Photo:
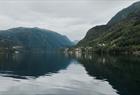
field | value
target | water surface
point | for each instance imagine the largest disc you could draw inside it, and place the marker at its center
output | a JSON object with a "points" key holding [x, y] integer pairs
{"points": [[58, 74]]}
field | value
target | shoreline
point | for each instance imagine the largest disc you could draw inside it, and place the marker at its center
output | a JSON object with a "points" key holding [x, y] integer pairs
{"points": [[114, 51]]}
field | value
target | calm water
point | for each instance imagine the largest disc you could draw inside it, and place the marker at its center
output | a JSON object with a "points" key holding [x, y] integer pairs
{"points": [[57, 74]]}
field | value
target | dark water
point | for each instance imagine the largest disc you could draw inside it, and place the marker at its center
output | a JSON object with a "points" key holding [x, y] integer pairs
{"points": [[58, 74]]}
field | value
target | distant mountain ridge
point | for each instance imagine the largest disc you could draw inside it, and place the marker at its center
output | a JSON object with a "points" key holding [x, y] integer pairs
{"points": [[122, 32], [75, 41], [31, 38]]}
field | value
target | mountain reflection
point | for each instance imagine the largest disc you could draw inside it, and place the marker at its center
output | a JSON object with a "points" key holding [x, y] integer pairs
{"points": [[70, 75], [122, 72], [34, 65]]}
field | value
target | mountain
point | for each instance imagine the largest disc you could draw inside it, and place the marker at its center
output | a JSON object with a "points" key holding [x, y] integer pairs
{"points": [[75, 42], [122, 32], [132, 10], [93, 34], [32, 38]]}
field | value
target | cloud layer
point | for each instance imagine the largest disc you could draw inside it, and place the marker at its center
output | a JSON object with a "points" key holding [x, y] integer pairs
{"points": [[69, 17]]}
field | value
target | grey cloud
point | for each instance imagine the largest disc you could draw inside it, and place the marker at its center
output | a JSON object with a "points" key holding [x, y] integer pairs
{"points": [[70, 17]]}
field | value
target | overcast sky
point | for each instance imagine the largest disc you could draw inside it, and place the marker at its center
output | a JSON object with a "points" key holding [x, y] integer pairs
{"points": [[72, 18]]}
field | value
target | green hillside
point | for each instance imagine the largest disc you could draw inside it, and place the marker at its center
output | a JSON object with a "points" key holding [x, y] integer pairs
{"points": [[121, 33], [32, 38]]}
